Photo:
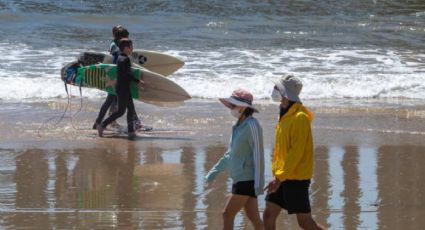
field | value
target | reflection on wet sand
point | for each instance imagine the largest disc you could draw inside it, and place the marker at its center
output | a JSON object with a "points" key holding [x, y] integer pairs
{"points": [[127, 185], [320, 185], [216, 192], [155, 188], [31, 178], [401, 187], [62, 220], [61, 181], [367, 167], [188, 216], [91, 181], [163, 185], [351, 191]]}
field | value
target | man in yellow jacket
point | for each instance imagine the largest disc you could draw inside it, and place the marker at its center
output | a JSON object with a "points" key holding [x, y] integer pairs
{"points": [[292, 164]]}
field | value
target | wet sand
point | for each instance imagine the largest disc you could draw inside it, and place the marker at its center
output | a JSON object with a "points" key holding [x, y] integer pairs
{"points": [[368, 167]]}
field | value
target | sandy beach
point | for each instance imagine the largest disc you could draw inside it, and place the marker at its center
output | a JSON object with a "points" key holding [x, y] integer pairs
{"points": [[368, 166]]}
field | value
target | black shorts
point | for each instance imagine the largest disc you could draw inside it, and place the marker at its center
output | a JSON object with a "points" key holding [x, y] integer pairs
{"points": [[292, 195], [244, 188]]}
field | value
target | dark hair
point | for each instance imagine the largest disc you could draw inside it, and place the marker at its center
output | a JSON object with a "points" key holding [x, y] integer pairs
{"points": [[283, 111], [125, 42], [248, 112], [121, 33], [115, 29]]}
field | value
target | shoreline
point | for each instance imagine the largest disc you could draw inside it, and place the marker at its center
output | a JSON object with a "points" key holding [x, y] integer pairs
{"points": [[24, 124]]}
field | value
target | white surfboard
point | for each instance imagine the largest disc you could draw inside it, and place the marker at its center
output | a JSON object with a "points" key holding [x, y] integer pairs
{"points": [[157, 62], [156, 89]]}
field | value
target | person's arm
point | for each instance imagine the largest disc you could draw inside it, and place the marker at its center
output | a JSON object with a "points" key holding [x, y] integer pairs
{"points": [[114, 51], [300, 132], [114, 58], [126, 66], [256, 143], [218, 167]]}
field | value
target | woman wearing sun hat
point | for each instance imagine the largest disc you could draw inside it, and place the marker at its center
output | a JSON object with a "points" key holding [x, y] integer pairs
{"points": [[244, 160]]}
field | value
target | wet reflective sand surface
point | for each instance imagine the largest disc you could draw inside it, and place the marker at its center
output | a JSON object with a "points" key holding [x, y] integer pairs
{"points": [[158, 182], [154, 188]]}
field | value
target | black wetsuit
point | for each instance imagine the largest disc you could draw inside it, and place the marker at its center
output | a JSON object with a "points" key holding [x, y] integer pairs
{"points": [[111, 100], [122, 88]]}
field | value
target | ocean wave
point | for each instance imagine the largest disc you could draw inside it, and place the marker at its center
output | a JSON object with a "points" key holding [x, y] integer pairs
{"points": [[326, 73], [29, 73]]}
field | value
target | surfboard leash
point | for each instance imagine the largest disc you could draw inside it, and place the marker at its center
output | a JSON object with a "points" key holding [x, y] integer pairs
{"points": [[53, 117], [67, 108], [79, 109]]}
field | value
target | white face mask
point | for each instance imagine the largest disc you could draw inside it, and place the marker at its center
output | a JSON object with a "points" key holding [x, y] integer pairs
{"points": [[276, 97], [235, 112]]}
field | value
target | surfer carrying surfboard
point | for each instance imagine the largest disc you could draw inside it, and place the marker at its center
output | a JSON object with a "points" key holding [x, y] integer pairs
{"points": [[244, 160], [122, 88], [118, 32]]}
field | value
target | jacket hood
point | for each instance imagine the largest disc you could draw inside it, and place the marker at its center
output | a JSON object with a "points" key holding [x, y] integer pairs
{"points": [[299, 107]]}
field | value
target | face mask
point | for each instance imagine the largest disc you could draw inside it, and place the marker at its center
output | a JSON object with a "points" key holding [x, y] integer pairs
{"points": [[235, 112], [276, 97]]}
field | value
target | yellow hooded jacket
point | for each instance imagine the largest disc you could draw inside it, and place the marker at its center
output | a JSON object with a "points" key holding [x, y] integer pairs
{"points": [[293, 151]]}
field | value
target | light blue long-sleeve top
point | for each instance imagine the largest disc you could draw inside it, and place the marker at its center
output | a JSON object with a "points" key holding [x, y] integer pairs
{"points": [[114, 51], [244, 158]]}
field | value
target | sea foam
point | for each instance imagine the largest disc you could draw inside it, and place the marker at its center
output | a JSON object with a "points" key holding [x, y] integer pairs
{"points": [[29, 73]]}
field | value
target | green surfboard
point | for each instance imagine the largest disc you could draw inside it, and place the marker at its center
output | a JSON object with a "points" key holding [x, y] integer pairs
{"points": [[156, 88]]}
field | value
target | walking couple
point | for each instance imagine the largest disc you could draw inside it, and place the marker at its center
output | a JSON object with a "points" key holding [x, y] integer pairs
{"points": [[292, 164]]}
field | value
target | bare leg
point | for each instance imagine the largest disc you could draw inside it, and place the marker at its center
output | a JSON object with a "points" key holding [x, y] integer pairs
{"points": [[271, 212], [234, 204], [251, 211], [305, 221]]}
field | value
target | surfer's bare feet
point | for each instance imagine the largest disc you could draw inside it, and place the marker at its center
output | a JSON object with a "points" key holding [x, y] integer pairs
{"points": [[141, 127], [115, 125], [132, 136], [100, 130], [138, 126], [145, 128], [95, 125]]}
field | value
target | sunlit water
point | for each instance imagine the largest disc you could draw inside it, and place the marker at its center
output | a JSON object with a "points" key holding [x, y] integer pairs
{"points": [[356, 49]]}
